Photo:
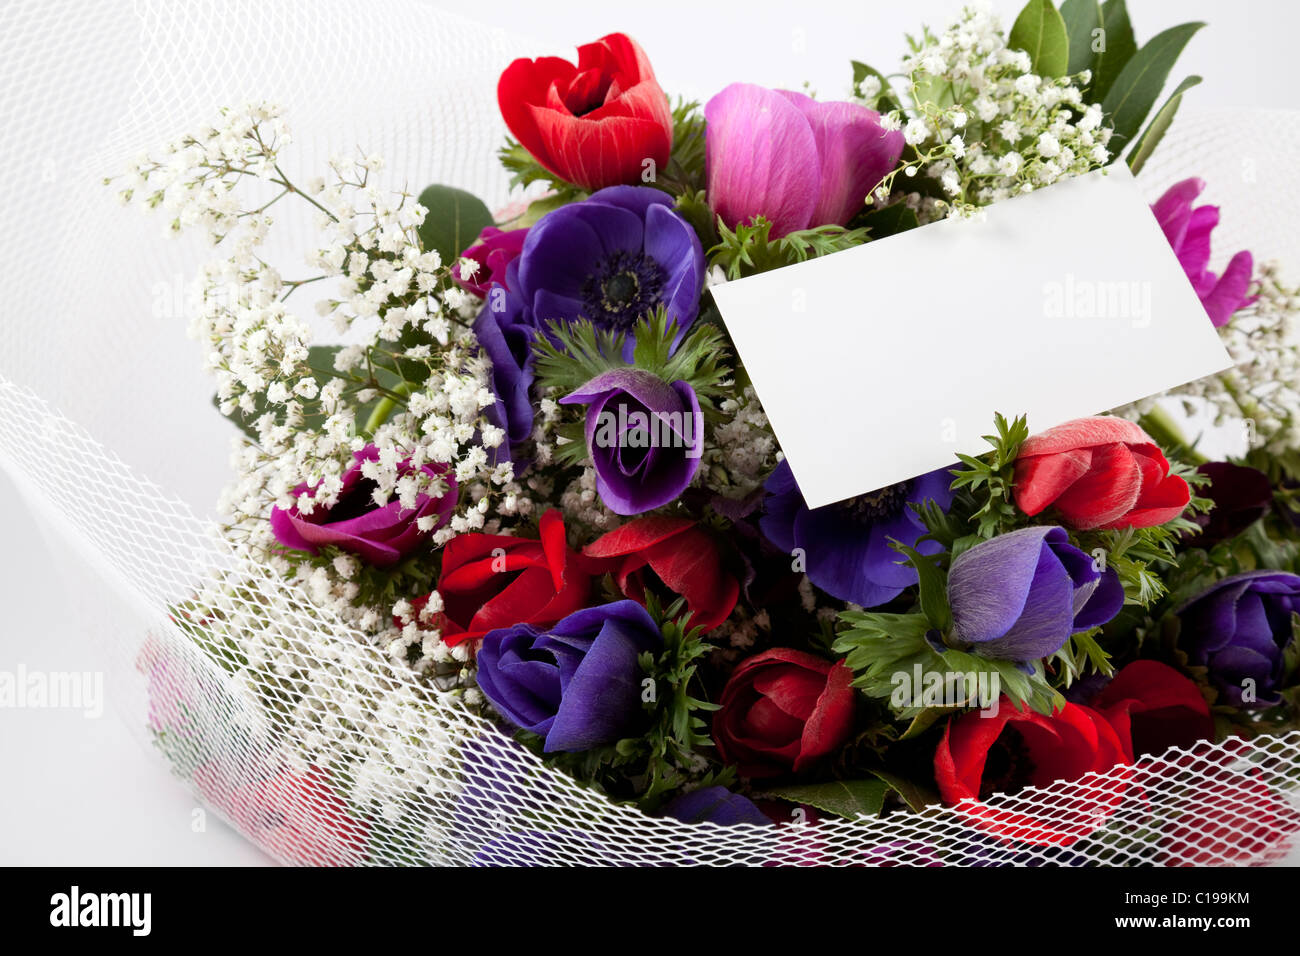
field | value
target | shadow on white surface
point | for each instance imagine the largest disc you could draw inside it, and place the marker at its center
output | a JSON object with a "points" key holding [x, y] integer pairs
{"points": [[81, 790]]}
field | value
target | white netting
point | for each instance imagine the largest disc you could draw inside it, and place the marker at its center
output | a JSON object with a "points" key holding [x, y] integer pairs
{"points": [[252, 702]]}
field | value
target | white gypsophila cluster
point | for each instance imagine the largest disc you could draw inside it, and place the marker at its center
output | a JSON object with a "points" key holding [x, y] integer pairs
{"points": [[743, 451], [305, 404], [314, 699], [984, 126], [1262, 389], [585, 514]]}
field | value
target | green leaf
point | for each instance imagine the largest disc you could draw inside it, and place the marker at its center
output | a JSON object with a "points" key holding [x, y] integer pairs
{"points": [[925, 719], [1040, 32], [888, 220], [932, 586], [886, 100], [1159, 125], [1119, 46], [580, 352], [748, 248], [1081, 18], [915, 795], [844, 798], [1143, 77], [454, 221]]}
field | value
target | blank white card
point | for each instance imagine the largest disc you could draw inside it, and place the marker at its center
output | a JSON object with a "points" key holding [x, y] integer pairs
{"points": [[880, 363]]}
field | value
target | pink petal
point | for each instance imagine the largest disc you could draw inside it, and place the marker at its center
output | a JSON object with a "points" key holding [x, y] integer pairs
{"points": [[855, 154], [762, 159]]}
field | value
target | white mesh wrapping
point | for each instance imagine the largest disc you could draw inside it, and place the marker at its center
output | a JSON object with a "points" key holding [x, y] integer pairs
{"points": [[99, 387]]}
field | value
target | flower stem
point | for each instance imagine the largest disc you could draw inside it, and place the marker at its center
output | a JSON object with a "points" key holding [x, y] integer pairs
{"points": [[1159, 425], [384, 407]]}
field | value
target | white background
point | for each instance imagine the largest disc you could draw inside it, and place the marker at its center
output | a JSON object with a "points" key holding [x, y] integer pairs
{"points": [[78, 791]]}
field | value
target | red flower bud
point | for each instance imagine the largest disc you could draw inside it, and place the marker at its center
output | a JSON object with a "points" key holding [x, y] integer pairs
{"points": [[595, 124], [782, 711]]}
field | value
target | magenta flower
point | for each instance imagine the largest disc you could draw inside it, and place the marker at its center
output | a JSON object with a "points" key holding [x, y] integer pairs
{"points": [[380, 534], [1188, 231], [798, 162], [493, 251]]}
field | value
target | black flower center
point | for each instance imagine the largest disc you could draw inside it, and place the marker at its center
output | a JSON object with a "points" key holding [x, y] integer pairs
{"points": [[877, 506], [353, 503], [1007, 767], [621, 289]]}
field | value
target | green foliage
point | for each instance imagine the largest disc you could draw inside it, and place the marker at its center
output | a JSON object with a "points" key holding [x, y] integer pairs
{"points": [[1134, 94], [849, 799], [932, 586], [584, 351], [1039, 30], [1104, 59], [878, 646], [454, 221], [524, 171], [685, 171], [885, 100], [1081, 655], [748, 249], [989, 478], [1081, 18], [694, 208], [1159, 125], [883, 221]]}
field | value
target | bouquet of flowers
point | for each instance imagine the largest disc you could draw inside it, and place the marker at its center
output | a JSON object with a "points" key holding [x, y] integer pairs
{"points": [[531, 478]]}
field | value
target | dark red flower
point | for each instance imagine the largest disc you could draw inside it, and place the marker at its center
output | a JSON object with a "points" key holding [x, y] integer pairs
{"points": [[782, 711], [1100, 472], [680, 553], [982, 756], [1241, 496], [1153, 707], [491, 580], [594, 124]]}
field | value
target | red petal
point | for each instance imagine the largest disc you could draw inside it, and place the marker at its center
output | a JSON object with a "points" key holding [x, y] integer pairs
{"points": [[1041, 479]]}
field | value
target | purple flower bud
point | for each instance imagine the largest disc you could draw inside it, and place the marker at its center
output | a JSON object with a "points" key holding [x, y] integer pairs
{"points": [[1021, 595], [714, 805], [577, 684], [645, 437]]}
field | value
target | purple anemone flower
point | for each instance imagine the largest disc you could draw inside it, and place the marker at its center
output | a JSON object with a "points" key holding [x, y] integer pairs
{"points": [[577, 684], [845, 546], [645, 437], [1240, 628], [380, 534], [1188, 231], [715, 805], [612, 259], [505, 335], [1021, 595]]}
